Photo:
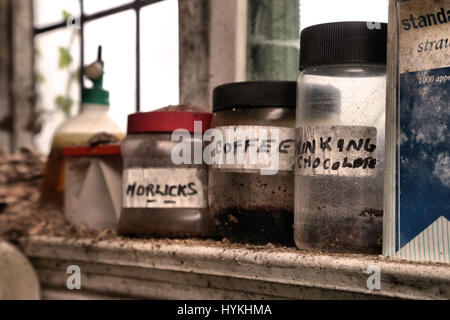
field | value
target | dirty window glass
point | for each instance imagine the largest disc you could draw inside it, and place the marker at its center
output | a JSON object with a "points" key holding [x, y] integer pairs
{"points": [[59, 57]]}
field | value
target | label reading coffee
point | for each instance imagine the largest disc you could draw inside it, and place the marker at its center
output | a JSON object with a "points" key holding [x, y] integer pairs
{"points": [[336, 150], [164, 188], [255, 148]]}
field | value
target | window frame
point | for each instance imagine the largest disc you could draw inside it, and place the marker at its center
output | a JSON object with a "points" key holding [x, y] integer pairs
{"points": [[84, 18]]}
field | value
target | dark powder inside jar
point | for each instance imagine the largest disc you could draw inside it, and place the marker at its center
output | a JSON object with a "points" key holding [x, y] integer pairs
{"points": [[257, 209], [259, 226]]}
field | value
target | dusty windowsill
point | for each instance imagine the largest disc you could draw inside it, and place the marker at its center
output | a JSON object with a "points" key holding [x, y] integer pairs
{"points": [[112, 266], [195, 269]]}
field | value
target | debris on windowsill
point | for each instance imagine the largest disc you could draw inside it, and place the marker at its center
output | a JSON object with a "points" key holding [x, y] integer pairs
{"points": [[22, 215], [187, 268]]}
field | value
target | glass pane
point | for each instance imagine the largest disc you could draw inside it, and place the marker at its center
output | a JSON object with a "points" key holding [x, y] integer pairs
{"points": [[47, 12], [273, 40], [314, 12], [57, 63], [159, 55], [117, 35], [93, 6]]}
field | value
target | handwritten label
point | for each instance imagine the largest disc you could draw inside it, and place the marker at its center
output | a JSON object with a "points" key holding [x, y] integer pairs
{"points": [[165, 188], [252, 148], [336, 150]]}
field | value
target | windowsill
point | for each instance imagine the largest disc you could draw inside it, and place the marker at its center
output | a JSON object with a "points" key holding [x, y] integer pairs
{"points": [[183, 269]]}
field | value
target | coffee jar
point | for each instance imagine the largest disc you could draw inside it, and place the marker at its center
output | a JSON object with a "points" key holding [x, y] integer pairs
{"points": [[251, 182]]}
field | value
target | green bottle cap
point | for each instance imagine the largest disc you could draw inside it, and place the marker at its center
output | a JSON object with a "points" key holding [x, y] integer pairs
{"points": [[96, 94]]}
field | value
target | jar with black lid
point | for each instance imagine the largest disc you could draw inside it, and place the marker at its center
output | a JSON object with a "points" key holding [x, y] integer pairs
{"points": [[161, 197], [250, 202], [339, 164]]}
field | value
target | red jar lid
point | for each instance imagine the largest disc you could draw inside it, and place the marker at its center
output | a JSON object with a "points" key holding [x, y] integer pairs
{"points": [[167, 121], [105, 150]]}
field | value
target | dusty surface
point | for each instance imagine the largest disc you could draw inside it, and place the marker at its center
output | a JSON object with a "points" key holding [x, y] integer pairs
{"points": [[23, 215], [102, 138], [183, 108]]}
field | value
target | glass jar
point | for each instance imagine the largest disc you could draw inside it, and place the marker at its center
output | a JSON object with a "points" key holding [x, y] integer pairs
{"points": [[250, 202], [339, 161], [161, 195]]}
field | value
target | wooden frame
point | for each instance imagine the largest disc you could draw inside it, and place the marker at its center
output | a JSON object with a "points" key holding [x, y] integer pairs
{"points": [[17, 97], [213, 40]]}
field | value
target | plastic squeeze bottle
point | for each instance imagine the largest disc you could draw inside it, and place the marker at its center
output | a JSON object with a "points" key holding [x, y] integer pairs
{"points": [[92, 119]]}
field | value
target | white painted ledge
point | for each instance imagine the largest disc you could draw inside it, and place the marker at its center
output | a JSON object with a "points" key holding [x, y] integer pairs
{"points": [[157, 269]]}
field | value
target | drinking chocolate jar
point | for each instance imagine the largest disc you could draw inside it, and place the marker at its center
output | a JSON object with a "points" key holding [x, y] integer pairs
{"points": [[250, 202], [162, 196], [339, 161]]}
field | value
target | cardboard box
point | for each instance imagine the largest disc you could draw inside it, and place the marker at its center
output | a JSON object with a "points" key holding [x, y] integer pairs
{"points": [[417, 181]]}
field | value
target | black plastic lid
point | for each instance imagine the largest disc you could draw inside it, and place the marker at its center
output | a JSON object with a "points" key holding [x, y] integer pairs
{"points": [[343, 43], [255, 94]]}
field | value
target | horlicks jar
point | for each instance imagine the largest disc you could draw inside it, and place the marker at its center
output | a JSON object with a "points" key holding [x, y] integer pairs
{"points": [[165, 186]]}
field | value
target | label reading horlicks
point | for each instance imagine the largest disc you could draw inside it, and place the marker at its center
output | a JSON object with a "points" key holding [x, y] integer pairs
{"points": [[336, 150], [164, 188]]}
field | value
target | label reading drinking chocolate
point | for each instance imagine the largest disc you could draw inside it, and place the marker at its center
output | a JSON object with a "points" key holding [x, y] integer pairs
{"points": [[164, 188], [336, 150]]}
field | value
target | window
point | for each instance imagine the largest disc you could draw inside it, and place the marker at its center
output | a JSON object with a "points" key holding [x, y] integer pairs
{"points": [[323, 11], [273, 44], [141, 61]]}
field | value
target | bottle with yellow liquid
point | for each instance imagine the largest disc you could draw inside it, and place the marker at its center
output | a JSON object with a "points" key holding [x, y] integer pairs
{"points": [[93, 119]]}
